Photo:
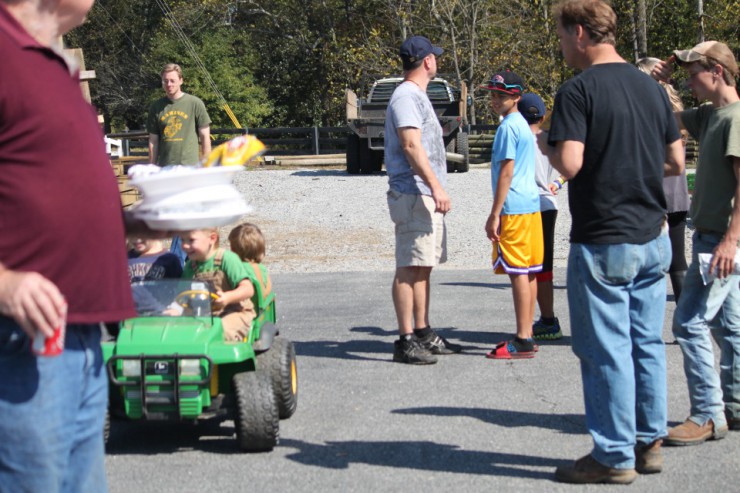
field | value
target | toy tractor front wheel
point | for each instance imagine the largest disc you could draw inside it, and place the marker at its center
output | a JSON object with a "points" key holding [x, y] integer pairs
{"points": [[256, 412], [280, 363]]}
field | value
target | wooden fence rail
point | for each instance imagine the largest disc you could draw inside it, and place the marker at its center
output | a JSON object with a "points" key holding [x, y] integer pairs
{"points": [[279, 141], [283, 141], [316, 141]]}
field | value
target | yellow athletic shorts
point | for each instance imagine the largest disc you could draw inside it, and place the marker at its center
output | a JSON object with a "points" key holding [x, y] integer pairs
{"points": [[520, 249]]}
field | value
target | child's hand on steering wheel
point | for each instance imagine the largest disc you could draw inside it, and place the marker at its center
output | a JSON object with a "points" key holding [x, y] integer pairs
{"points": [[219, 302]]}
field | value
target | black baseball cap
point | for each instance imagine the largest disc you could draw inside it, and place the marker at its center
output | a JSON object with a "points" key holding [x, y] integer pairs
{"points": [[531, 107]]}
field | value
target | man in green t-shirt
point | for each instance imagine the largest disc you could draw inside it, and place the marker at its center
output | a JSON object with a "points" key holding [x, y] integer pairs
{"points": [[715, 212], [177, 123]]}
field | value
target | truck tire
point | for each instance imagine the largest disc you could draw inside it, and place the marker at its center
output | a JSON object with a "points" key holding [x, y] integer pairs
{"points": [[279, 362], [450, 147], [371, 161], [464, 149], [353, 154], [377, 161], [256, 413]]}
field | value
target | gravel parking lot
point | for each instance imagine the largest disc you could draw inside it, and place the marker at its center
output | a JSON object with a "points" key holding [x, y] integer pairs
{"points": [[322, 220]]}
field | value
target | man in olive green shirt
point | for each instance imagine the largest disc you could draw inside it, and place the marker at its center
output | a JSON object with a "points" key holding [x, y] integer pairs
{"points": [[178, 124], [715, 212]]}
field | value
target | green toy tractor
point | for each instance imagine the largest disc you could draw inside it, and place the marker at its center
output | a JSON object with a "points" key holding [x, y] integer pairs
{"points": [[171, 363]]}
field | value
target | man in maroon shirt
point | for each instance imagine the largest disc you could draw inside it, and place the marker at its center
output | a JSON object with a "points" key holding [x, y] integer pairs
{"points": [[61, 250]]}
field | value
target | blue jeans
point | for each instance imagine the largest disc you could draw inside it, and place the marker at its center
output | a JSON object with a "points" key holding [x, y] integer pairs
{"points": [[51, 413], [616, 295], [701, 308]]}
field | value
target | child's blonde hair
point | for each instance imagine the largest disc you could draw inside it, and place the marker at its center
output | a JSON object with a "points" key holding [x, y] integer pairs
{"points": [[646, 65], [206, 231], [248, 242]]}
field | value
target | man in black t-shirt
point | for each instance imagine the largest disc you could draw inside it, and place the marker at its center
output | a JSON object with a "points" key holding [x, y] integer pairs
{"points": [[613, 136]]}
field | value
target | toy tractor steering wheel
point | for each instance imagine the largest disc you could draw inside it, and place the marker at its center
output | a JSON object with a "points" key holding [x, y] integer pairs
{"points": [[185, 298]]}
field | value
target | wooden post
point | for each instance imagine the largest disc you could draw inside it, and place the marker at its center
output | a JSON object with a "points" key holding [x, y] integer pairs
{"points": [[85, 75], [316, 140]]}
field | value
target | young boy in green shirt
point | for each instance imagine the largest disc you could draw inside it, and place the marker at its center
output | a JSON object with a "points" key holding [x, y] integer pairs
{"points": [[224, 271]]}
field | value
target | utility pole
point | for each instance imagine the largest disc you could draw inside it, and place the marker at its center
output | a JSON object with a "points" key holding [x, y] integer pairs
{"points": [[640, 29]]}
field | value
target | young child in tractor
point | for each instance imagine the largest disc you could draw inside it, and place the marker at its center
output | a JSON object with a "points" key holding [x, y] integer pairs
{"points": [[224, 271], [248, 242]]}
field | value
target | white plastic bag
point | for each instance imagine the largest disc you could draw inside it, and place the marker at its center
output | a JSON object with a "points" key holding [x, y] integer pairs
{"points": [[705, 260]]}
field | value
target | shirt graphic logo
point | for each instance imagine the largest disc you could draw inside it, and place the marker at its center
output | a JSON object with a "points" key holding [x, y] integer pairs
{"points": [[174, 125]]}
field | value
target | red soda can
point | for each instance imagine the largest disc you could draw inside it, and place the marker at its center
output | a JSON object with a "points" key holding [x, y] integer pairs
{"points": [[54, 345]]}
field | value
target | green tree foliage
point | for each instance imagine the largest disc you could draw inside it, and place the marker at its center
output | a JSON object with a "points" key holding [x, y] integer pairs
{"points": [[128, 41], [224, 55], [288, 62], [116, 41]]}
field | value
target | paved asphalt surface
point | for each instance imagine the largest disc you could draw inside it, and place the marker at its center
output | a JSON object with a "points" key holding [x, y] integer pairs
{"points": [[366, 424]]}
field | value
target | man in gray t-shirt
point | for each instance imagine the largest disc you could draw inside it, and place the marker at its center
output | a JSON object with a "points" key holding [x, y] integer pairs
{"points": [[410, 107], [417, 201]]}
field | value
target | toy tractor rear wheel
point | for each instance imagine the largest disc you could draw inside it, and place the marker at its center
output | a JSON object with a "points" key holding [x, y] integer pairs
{"points": [[256, 414], [280, 363]]}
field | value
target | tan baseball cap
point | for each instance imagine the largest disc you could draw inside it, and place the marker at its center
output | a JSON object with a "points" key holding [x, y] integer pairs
{"points": [[711, 49]]}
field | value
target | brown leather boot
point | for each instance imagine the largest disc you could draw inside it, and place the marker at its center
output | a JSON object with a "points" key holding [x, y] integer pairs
{"points": [[649, 458], [589, 470], [690, 433]]}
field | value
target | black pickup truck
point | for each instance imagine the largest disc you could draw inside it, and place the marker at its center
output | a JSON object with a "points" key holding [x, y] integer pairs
{"points": [[366, 119]]}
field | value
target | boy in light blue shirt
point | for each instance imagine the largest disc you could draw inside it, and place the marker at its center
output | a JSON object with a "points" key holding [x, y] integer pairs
{"points": [[514, 225]]}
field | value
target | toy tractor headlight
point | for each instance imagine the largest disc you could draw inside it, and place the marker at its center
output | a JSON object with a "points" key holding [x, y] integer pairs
{"points": [[190, 367], [131, 368]]}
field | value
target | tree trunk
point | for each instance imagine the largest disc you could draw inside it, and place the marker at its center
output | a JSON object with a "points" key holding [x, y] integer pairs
{"points": [[640, 29]]}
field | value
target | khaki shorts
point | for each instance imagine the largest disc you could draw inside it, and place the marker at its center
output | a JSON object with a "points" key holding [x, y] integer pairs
{"points": [[421, 234]]}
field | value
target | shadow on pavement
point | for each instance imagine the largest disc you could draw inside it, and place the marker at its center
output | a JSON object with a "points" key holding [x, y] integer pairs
{"points": [[421, 455], [136, 437], [573, 424], [488, 285], [365, 349]]}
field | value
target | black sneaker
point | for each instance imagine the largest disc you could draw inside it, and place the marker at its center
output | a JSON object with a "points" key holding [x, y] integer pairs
{"points": [[545, 332], [437, 344], [412, 353]]}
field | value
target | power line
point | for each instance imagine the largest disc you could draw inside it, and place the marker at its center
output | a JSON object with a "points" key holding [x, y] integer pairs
{"points": [[170, 16], [115, 23]]}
